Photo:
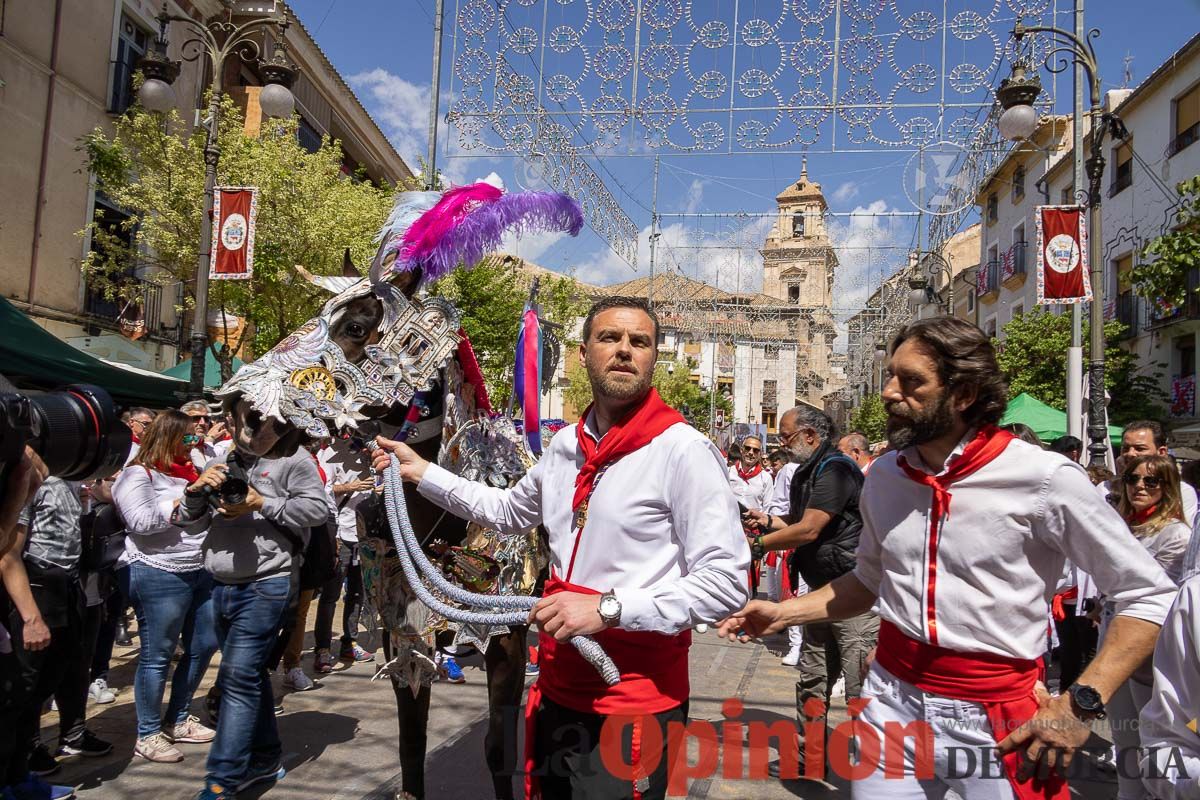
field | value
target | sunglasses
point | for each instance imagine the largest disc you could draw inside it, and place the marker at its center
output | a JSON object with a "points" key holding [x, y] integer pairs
{"points": [[1149, 481], [204, 417], [751, 449]]}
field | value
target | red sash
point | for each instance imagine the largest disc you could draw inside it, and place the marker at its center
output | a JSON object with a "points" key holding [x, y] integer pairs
{"points": [[183, 468], [1003, 686], [654, 677], [1057, 606], [747, 475], [988, 443]]}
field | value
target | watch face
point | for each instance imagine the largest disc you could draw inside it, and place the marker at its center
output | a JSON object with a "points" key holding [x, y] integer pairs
{"points": [[1088, 698], [609, 607]]}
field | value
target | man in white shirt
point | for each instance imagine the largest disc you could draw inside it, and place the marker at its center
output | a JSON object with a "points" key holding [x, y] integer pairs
{"points": [[966, 531], [637, 506], [212, 435], [751, 483]]}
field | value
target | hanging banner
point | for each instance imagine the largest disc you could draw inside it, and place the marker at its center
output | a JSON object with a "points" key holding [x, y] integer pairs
{"points": [[527, 377], [1062, 255], [131, 322], [235, 209]]}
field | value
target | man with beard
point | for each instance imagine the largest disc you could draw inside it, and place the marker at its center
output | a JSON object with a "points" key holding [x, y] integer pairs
{"points": [[965, 532], [822, 524], [645, 542]]}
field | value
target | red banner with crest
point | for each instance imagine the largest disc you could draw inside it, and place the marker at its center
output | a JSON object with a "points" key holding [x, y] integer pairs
{"points": [[1062, 255], [235, 209]]}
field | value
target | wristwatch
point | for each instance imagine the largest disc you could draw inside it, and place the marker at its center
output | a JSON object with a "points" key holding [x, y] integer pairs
{"points": [[757, 551], [1087, 700], [610, 609]]}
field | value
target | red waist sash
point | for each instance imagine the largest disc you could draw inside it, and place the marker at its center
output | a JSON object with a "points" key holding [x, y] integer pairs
{"points": [[654, 677], [1003, 686]]}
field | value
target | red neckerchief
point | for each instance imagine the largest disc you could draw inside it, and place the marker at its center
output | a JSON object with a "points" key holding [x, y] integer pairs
{"points": [[320, 471], [632, 433], [183, 468], [1142, 517], [746, 476], [988, 443]]}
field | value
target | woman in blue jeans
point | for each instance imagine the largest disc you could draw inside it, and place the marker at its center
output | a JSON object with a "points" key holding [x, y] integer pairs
{"points": [[168, 585]]}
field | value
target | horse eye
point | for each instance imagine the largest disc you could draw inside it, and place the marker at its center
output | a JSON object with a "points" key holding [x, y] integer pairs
{"points": [[354, 329]]}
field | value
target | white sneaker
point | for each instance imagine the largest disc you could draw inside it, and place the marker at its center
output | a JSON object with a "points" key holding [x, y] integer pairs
{"points": [[839, 688], [792, 658], [296, 679], [158, 748], [100, 694]]}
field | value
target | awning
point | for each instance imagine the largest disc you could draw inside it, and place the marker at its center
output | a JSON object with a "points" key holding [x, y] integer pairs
{"points": [[1047, 422], [31, 356], [212, 370]]}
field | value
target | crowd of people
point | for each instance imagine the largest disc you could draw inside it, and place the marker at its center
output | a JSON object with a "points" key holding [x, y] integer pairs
{"points": [[960, 575]]}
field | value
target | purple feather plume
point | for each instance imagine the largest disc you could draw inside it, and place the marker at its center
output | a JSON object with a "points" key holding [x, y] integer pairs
{"points": [[483, 229]]}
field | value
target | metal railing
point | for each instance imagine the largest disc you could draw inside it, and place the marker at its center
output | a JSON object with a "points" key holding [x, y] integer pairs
{"points": [[148, 294], [1184, 139]]}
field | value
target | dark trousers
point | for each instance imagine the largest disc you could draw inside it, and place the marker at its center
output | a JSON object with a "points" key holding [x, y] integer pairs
{"points": [[568, 757], [72, 692], [1076, 646], [114, 609], [350, 571]]}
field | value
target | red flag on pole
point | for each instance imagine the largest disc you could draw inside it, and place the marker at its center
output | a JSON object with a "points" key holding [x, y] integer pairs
{"points": [[1062, 255], [235, 209]]}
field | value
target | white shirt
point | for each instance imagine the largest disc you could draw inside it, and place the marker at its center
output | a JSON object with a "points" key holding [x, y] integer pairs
{"points": [[780, 500], [753, 494], [345, 467], [205, 453], [663, 528], [1000, 551], [1175, 702], [145, 500]]}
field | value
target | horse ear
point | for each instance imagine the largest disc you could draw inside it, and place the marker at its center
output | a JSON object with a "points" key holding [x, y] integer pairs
{"points": [[348, 268]]}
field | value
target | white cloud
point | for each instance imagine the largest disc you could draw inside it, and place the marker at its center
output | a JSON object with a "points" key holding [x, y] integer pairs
{"points": [[872, 243], [845, 193], [695, 196]]}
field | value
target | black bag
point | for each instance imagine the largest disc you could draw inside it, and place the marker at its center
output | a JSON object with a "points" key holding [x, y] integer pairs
{"points": [[103, 539], [320, 558]]}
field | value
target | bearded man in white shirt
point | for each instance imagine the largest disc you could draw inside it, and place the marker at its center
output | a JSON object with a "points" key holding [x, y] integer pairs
{"points": [[646, 542], [965, 533]]}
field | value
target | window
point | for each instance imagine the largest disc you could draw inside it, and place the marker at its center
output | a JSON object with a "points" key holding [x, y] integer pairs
{"points": [[1126, 300], [771, 352], [1186, 347], [1018, 309], [132, 42], [1122, 175], [307, 136], [990, 328], [797, 226], [692, 348], [770, 397], [112, 221], [768, 419], [993, 208], [1187, 120], [1018, 184], [970, 301], [793, 293]]}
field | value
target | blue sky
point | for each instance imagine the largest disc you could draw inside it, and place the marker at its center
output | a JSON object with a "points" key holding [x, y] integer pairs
{"points": [[384, 49]]}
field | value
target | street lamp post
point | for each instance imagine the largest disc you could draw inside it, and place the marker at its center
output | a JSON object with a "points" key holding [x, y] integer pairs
{"points": [[1019, 121], [922, 289], [217, 40]]}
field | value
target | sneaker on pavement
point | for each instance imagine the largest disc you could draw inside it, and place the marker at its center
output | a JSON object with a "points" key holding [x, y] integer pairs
{"points": [[214, 791], [323, 662], [41, 763], [100, 694], [792, 658], [191, 731], [532, 670], [33, 788], [279, 706], [264, 772], [454, 673], [296, 679], [88, 745], [356, 654], [158, 748]]}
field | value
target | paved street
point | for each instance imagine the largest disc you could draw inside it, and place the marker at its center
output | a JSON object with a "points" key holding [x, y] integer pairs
{"points": [[340, 739]]}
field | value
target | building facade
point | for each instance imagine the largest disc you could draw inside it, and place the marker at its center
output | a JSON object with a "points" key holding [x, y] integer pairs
{"points": [[66, 68]]}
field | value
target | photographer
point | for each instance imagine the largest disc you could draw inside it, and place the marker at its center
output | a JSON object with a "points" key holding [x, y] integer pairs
{"points": [[170, 589], [264, 506]]}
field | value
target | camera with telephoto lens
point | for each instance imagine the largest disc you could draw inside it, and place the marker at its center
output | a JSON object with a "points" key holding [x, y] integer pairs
{"points": [[77, 432], [236, 486]]}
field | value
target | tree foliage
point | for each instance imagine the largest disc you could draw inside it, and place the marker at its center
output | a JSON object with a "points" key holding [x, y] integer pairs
{"points": [[1033, 356], [1161, 273], [309, 212], [491, 298], [869, 418]]}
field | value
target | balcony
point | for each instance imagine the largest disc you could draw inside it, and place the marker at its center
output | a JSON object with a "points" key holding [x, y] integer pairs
{"points": [[1164, 314], [147, 294], [989, 280], [1013, 272], [1183, 140]]}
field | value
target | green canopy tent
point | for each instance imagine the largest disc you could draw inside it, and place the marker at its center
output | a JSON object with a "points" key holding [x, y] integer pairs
{"points": [[32, 357], [212, 370], [1047, 422]]}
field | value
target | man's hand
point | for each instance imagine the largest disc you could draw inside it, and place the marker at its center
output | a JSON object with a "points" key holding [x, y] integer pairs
{"points": [[568, 614], [362, 485], [253, 502], [24, 480], [756, 520], [412, 466], [1049, 740], [758, 618], [216, 433], [212, 477], [35, 634]]}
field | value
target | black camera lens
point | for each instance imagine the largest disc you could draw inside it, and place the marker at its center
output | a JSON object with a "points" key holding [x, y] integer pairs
{"points": [[234, 491], [78, 432]]}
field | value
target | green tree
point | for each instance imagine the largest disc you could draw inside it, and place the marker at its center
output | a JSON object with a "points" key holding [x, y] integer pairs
{"points": [[1161, 274], [309, 212], [1033, 356], [869, 418], [491, 298]]}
